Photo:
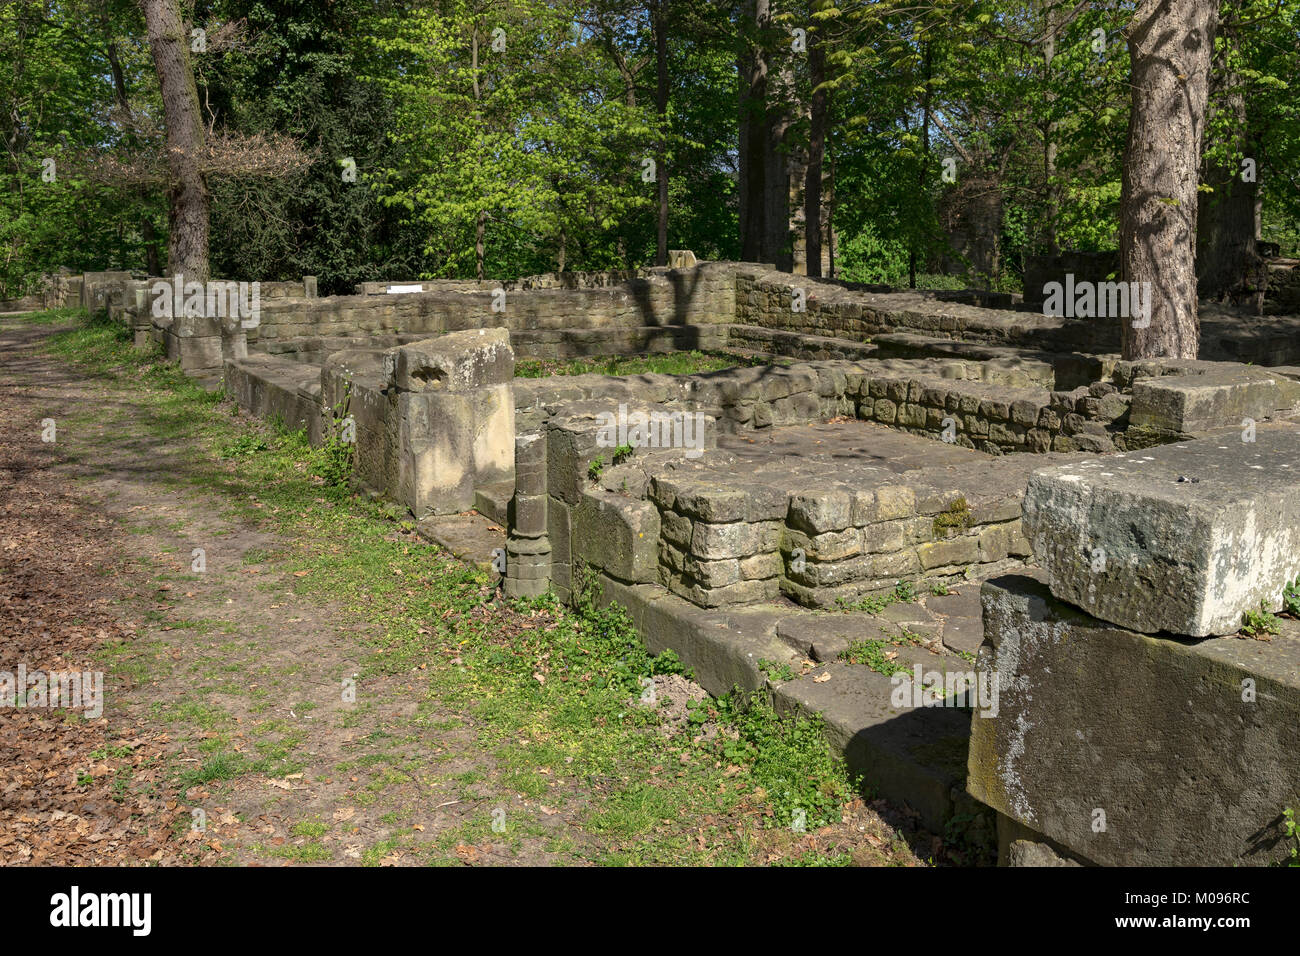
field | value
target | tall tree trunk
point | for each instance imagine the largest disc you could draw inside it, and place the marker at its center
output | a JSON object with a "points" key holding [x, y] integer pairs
{"points": [[812, 193], [776, 174], [753, 131], [1051, 26], [480, 221], [148, 235], [187, 195], [661, 107], [1227, 218], [830, 208], [925, 152], [1170, 44]]}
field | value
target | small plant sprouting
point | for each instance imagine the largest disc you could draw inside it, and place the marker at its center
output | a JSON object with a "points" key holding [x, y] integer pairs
{"points": [[1291, 599], [773, 670], [596, 467], [622, 453], [1256, 624], [877, 655], [904, 592]]}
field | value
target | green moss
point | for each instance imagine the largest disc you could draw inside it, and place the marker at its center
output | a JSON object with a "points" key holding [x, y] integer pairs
{"points": [[956, 517]]}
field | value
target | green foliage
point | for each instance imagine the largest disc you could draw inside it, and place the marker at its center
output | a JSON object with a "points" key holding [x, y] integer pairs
{"points": [[790, 760], [904, 592], [1259, 623], [778, 671], [596, 468], [875, 654], [1291, 830], [1291, 599], [245, 445]]}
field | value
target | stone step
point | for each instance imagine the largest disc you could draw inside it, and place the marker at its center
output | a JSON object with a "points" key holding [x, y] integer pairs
{"points": [[915, 756], [493, 500]]}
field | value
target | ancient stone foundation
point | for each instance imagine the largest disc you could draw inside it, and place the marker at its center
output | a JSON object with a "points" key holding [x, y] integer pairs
{"points": [[821, 521]]}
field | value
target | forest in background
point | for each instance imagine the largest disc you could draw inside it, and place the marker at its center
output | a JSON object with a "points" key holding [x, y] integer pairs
{"points": [[935, 142]]}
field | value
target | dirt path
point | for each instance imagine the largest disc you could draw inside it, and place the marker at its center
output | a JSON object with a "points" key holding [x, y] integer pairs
{"points": [[241, 721]]}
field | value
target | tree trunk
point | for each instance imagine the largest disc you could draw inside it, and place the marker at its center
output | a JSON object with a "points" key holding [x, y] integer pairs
{"points": [[480, 221], [812, 195], [1170, 43], [187, 195], [661, 107], [753, 132], [925, 153], [1051, 26], [776, 176], [1227, 219]]}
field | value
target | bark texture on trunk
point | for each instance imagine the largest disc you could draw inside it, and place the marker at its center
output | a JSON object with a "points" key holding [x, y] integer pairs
{"points": [[1171, 44], [661, 107], [1227, 217], [187, 194], [753, 131], [776, 177], [812, 196]]}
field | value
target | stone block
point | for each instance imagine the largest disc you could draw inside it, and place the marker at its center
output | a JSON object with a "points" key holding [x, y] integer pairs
{"points": [[1190, 749], [735, 540], [1181, 538], [1219, 398], [455, 362], [822, 511], [618, 535]]}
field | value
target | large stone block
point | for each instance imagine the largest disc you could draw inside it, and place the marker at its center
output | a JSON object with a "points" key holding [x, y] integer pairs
{"points": [[494, 434], [619, 535], [1132, 750], [434, 452], [457, 361], [1218, 398], [1182, 538]]}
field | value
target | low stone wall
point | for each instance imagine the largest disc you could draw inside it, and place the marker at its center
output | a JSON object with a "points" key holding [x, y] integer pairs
{"points": [[432, 421], [923, 396], [771, 299], [750, 542], [703, 296]]}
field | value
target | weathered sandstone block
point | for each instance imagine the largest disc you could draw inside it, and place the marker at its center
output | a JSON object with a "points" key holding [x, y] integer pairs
{"points": [[1182, 538]]}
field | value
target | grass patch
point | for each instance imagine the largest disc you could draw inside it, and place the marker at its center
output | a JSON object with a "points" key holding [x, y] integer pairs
{"points": [[954, 518], [904, 593], [551, 692]]}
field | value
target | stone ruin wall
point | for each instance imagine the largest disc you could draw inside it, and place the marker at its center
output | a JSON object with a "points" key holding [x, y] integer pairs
{"points": [[678, 552]]}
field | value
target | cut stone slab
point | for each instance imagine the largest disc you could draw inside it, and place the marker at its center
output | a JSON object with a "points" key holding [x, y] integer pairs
{"points": [[1187, 751], [1182, 538], [963, 627], [469, 537], [456, 361], [1217, 398]]}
